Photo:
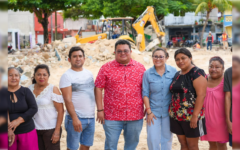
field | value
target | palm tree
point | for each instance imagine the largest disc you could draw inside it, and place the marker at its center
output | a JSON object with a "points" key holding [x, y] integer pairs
{"points": [[209, 5]]}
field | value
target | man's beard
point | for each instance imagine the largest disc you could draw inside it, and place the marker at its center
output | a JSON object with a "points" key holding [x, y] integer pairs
{"points": [[77, 66]]}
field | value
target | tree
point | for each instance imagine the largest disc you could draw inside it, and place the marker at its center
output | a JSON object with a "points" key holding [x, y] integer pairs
{"points": [[208, 6], [94, 9], [42, 9]]}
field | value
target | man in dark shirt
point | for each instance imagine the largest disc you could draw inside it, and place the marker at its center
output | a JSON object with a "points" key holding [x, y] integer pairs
{"points": [[228, 101], [209, 40]]}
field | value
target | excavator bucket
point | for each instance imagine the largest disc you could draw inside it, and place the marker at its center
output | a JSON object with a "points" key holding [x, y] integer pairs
{"points": [[126, 37]]}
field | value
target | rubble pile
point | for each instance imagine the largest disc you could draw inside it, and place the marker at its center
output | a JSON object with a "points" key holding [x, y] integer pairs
{"points": [[56, 55]]}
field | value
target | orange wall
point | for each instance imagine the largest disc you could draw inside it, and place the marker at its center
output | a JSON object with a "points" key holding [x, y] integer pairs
{"points": [[39, 29], [60, 21]]}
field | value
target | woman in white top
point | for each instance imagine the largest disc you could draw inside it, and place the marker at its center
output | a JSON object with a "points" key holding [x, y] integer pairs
{"points": [[50, 113]]}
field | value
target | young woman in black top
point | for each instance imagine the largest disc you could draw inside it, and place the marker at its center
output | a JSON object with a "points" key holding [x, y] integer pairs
{"points": [[186, 110], [21, 107]]}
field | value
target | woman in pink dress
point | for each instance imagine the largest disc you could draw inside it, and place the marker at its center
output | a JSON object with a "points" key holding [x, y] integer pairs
{"points": [[217, 133], [236, 102]]}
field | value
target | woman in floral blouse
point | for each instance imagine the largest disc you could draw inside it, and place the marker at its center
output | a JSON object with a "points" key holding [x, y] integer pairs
{"points": [[186, 110]]}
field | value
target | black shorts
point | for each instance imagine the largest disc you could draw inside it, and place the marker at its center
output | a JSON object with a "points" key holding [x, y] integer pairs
{"points": [[183, 128]]}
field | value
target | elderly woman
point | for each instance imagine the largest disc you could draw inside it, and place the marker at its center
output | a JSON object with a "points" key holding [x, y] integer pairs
{"points": [[157, 97], [21, 107], [186, 110], [49, 117]]}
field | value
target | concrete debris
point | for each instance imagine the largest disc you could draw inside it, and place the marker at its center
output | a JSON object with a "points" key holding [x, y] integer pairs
{"points": [[56, 54], [46, 56], [146, 59], [71, 40], [49, 46]]}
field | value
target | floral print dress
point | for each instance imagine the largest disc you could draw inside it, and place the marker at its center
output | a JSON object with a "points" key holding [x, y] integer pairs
{"points": [[184, 95]]}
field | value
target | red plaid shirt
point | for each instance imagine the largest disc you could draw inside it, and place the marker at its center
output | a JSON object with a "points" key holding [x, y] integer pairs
{"points": [[122, 90]]}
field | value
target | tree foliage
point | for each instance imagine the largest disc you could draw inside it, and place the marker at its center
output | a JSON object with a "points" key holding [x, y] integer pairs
{"points": [[42, 9], [94, 9], [208, 6]]}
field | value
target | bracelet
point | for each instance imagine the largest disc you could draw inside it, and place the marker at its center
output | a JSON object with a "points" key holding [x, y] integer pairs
{"points": [[147, 109], [149, 113], [100, 110]]}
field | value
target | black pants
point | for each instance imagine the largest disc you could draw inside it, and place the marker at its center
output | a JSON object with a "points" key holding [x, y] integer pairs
{"points": [[44, 140], [183, 128]]}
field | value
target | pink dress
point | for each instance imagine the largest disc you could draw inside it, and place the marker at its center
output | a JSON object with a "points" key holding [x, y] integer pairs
{"points": [[215, 115], [236, 113]]}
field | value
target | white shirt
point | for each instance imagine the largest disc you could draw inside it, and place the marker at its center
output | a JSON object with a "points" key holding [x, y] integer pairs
{"points": [[83, 98], [46, 117]]}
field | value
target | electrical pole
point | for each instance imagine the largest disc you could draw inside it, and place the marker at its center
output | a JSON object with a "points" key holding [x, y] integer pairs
{"points": [[55, 25], [51, 29]]}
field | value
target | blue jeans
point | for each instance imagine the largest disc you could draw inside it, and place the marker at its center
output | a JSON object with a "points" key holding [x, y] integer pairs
{"points": [[159, 136], [85, 137], [209, 44], [113, 129]]}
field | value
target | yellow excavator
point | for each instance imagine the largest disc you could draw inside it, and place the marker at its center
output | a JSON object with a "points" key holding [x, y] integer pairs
{"points": [[109, 33], [138, 25], [89, 39]]}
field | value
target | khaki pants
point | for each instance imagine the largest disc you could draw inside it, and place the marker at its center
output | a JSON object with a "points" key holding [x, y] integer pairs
{"points": [[225, 44]]}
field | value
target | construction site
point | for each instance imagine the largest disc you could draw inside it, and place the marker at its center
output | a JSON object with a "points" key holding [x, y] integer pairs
{"points": [[99, 49]]}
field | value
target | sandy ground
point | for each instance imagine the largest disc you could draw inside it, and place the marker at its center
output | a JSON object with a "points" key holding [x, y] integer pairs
{"points": [[200, 59]]}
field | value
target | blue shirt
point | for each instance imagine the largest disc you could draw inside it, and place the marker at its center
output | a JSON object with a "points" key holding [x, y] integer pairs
{"points": [[156, 88]]}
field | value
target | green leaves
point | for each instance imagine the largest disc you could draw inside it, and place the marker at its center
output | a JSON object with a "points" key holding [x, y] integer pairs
{"points": [[222, 4], [201, 7], [93, 9], [47, 5], [208, 5], [43, 9]]}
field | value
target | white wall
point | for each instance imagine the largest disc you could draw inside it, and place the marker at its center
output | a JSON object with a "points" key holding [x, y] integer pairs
{"points": [[75, 25], [189, 18], [22, 21]]}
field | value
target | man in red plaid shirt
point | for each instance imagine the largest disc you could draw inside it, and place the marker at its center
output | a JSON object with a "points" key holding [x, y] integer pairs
{"points": [[121, 80]]}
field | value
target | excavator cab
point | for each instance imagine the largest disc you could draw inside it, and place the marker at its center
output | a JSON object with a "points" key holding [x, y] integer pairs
{"points": [[118, 28]]}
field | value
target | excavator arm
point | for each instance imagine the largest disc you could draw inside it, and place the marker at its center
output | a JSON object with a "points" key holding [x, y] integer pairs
{"points": [[138, 25]]}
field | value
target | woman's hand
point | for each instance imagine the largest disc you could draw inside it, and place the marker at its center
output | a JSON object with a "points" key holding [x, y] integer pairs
{"points": [[229, 125], [11, 137], [150, 119], [14, 124], [193, 122], [55, 137]]}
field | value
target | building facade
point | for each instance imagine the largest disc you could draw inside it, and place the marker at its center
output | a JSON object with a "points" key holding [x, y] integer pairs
{"points": [[21, 32], [188, 26], [61, 31]]}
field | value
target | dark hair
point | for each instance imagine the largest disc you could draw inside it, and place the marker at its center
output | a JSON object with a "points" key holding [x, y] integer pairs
{"points": [[217, 58], [10, 68], [161, 49], [2, 70], [236, 58], [41, 66], [185, 52], [122, 42], [75, 48]]}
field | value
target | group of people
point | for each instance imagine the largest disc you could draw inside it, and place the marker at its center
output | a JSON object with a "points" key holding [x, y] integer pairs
{"points": [[188, 103], [224, 40]]}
